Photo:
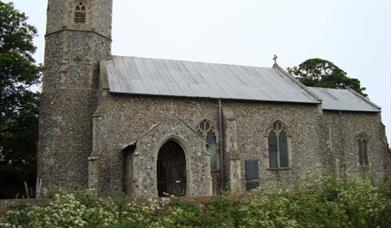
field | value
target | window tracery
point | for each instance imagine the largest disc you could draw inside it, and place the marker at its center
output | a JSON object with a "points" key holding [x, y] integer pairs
{"points": [[80, 13], [206, 129], [362, 144], [278, 146]]}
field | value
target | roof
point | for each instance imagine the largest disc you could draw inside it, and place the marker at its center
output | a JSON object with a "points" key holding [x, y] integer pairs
{"points": [[343, 100], [146, 76]]}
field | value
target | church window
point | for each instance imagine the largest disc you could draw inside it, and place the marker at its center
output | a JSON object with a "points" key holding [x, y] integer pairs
{"points": [[252, 174], [362, 143], [80, 13], [205, 129], [278, 146]]}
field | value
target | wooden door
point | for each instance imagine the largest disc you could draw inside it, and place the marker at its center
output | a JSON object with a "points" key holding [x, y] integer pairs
{"points": [[171, 170]]}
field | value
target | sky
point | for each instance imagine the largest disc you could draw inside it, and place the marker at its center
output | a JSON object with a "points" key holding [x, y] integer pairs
{"points": [[353, 34]]}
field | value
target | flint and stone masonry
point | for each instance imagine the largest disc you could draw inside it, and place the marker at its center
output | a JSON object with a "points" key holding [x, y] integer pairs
{"points": [[112, 142]]}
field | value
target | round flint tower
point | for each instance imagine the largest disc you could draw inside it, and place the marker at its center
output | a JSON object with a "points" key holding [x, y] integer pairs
{"points": [[78, 36]]}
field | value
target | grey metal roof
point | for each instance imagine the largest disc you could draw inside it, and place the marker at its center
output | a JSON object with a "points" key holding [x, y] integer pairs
{"points": [[343, 100], [134, 75]]}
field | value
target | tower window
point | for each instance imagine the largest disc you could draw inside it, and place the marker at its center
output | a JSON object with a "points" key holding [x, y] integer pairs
{"points": [[80, 13]]}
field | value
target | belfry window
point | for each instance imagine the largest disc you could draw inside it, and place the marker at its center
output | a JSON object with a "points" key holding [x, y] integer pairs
{"points": [[278, 146], [362, 144], [80, 13], [205, 129]]}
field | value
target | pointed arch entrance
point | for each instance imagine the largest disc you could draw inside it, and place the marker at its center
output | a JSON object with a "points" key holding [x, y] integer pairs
{"points": [[171, 170]]}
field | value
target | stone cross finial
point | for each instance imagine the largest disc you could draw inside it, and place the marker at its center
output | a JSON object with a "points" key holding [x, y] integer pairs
{"points": [[275, 58]]}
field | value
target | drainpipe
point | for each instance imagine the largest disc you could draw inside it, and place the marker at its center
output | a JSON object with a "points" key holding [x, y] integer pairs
{"points": [[343, 145], [221, 145]]}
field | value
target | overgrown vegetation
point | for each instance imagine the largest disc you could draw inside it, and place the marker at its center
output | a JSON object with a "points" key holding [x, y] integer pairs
{"points": [[326, 203], [323, 73]]}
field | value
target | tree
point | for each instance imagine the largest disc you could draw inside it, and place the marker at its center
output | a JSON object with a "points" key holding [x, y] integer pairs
{"points": [[18, 103], [322, 73]]}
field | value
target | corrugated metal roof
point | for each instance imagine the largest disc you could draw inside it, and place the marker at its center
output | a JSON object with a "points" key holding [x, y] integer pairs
{"points": [[163, 77], [343, 100]]}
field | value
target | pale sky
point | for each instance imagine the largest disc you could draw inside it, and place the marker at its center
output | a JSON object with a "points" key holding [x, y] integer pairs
{"points": [[354, 34]]}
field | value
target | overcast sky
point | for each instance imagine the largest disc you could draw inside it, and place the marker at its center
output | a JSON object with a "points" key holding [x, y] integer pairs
{"points": [[354, 34]]}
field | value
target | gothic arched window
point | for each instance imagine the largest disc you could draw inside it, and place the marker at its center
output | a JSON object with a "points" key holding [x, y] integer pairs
{"points": [[205, 129], [362, 143], [278, 146], [80, 13]]}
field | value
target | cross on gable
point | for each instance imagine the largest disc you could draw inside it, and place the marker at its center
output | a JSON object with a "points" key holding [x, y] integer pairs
{"points": [[275, 58]]}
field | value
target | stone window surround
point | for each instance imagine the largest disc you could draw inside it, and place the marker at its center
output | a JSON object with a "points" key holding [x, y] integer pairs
{"points": [[204, 133], [80, 14], [289, 148], [362, 136]]}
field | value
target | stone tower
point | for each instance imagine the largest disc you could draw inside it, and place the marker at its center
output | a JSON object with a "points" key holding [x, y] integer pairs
{"points": [[78, 36]]}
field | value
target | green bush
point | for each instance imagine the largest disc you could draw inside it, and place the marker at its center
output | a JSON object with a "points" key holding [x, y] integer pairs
{"points": [[327, 202]]}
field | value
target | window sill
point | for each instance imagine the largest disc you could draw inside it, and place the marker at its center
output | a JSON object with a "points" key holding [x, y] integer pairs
{"points": [[277, 169]]}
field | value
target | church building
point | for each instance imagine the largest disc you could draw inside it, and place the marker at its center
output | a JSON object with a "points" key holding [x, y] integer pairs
{"points": [[158, 127]]}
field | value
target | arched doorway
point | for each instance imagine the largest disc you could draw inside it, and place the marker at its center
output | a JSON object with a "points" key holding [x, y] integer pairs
{"points": [[171, 170]]}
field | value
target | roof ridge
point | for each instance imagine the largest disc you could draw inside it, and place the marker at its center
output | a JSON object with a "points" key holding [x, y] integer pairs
{"points": [[190, 61]]}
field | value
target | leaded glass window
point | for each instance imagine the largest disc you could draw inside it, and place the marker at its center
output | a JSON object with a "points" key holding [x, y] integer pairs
{"points": [[278, 147], [362, 143], [205, 129], [80, 13]]}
